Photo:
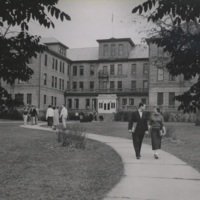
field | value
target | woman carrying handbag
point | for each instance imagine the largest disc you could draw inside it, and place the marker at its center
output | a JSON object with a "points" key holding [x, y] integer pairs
{"points": [[157, 130]]}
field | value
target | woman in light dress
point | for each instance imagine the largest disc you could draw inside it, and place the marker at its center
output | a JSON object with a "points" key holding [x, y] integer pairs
{"points": [[55, 117]]}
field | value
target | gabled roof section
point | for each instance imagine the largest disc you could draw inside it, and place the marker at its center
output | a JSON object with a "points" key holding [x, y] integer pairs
{"points": [[52, 41], [83, 54], [117, 40], [139, 51]]}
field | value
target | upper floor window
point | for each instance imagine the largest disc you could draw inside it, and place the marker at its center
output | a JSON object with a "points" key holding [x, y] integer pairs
{"points": [[172, 78], [63, 70], [133, 69], [45, 59], [74, 70], [145, 68], [91, 70], [112, 69], [160, 74], [60, 66], [133, 84], [112, 84], [81, 70], [55, 82], [45, 79], [81, 85], [56, 67], [131, 102], [119, 84], [91, 84], [105, 50], [113, 50], [145, 84], [105, 70], [53, 63], [160, 98], [52, 81], [74, 85], [120, 72], [121, 49]]}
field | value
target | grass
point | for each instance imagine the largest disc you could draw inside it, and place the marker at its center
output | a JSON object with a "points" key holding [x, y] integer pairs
{"points": [[187, 135], [34, 166]]}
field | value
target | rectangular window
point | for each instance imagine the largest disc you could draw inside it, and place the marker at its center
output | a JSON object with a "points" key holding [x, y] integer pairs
{"points": [[172, 78], [91, 70], [19, 97], [52, 81], [81, 85], [53, 63], [81, 70], [60, 66], [160, 98], [112, 69], [74, 85], [124, 102], [45, 99], [68, 70], [105, 50], [63, 68], [160, 74], [113, 105], [133, 69], [74, 70], [68, 87], [91, 85], [105, 70], [29, 99], [56, 67], [60, 83], [76, 103], [101, 105], [112, 49], [121, 49], [63, 84], [69, 102], [45, 59], [171, 99], [120, 72], [119, 84], [143, 100], [55, 82], [104, 84], [87, 103], [55, 101], [52, 100], [131, 102], [133, 84], [112, 84], [145, 84], [145, 68]]}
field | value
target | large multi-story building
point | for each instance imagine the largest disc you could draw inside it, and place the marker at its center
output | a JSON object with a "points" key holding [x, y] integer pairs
{"points": [[115, 75]]}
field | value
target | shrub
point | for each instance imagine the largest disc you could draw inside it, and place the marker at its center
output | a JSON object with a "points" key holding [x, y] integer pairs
{"points": [[72, 138], [170, 133], [166, 116]]}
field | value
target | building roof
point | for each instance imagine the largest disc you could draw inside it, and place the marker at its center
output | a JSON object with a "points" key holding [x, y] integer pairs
{"points": [[117, 40], [139, 51], [81, 54], [92, 53], [52, 40]]}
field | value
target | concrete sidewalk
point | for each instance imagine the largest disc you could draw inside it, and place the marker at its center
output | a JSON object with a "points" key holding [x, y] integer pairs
{"points": [[167, 178]]}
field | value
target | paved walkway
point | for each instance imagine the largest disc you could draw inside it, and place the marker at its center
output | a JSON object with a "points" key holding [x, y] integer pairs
{"points": [[167, 178]]}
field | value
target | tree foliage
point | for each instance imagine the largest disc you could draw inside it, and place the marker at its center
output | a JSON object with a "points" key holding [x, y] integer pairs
{"points": [[17, 49], [179, 34]]}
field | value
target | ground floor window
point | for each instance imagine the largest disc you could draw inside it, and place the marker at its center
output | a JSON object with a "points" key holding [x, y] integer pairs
{"points": [[131, 102], [29, 99]]}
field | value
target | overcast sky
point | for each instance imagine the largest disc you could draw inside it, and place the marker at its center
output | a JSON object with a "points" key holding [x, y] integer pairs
{"points": [[92, 20]]}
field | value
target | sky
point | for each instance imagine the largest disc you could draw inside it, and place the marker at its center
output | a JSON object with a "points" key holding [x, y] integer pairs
{"points": [[95, 19]]}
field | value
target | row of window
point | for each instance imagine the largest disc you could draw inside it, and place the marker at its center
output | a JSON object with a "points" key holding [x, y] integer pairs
{"points": [[104, 85], [54, 82], [160, 75], [55, 65], [89, 103], [20, 97], [160, 99], [114, 50], [112, 69], [132, 101]]}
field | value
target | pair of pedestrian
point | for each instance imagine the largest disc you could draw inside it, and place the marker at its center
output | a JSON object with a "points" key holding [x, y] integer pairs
{"points": [[138, 126], [52, 116], [30, 115]]}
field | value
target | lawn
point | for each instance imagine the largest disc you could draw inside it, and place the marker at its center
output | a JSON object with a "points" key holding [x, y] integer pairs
{"points": [[34, 166], [186, 146]]}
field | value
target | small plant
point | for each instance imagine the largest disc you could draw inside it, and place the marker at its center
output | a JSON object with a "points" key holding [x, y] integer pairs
{"points": [[170, 133], [74, 137]]}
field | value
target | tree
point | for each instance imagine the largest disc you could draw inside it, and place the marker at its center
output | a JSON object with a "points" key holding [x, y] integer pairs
{"points": [[17, 48], [178, 34]]}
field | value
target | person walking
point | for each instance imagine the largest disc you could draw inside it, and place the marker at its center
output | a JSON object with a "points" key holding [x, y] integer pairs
{"points": [[63, 116], [25, 115], [49, 116], [157, 130], [34, 116], [138, 127], [55, 117]]}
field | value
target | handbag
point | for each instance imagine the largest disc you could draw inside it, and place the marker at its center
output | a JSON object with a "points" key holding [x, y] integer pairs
{"points": [[162, 132]]}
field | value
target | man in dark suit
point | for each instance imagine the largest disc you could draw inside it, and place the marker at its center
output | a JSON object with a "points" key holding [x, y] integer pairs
{"points": [[138, 127]]}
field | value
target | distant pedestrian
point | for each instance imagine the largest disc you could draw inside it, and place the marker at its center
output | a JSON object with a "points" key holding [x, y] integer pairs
{"points": [[34, 116], [55, 117], [49, 116], [157, 130], [138, 127], [25, 115], [63, 116]]}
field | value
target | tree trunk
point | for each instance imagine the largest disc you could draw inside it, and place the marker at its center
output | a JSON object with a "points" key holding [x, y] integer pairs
{"points": [[198, 118]]}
